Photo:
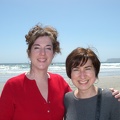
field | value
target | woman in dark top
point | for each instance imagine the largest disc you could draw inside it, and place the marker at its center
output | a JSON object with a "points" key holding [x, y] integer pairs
{"points": [[88, 102]]}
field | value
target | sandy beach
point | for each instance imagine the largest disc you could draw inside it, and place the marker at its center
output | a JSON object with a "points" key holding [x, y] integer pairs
{"points": [[1, 86], [108, 82], [103, 82]]}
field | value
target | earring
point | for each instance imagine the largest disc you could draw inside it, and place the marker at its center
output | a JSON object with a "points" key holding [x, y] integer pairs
{"points": [[71, 84], [97, 80]]}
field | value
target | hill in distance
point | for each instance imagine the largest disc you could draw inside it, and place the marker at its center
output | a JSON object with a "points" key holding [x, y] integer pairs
{"points": [[113, 60]]}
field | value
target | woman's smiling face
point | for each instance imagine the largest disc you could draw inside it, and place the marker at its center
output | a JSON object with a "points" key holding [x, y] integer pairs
{"points": [[41, 53], [83, 77]]}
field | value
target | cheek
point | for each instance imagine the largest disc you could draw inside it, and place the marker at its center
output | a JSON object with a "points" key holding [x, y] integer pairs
{"points": [[52, 55], [32, 56], [93, 76], [92, 73], [73, 76]]}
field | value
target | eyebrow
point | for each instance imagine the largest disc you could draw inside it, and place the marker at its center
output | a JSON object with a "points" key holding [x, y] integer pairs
{"points": [[36, 45], [88, 66]]}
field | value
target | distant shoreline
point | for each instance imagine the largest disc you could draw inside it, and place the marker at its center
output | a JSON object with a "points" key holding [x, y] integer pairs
{"points": [[59, 62]]}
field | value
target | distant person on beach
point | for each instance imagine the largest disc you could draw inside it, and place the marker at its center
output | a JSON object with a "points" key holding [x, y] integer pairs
{"points": [[37, 94], [88, 102]]}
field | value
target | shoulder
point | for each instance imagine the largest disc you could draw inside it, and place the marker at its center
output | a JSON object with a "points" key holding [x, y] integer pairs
{"points": [[58, 80], [69, 95], [69, 98], [106, 92], [54, 75], [13, 84], [16, 80], [110, 105], [108, 97], [22, 75]]}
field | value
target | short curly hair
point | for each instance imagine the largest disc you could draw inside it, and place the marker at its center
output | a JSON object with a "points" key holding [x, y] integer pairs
{"points": [[39, 31]]}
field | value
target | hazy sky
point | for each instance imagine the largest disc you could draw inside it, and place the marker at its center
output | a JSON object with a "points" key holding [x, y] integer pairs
{"points": [[79, 23]]}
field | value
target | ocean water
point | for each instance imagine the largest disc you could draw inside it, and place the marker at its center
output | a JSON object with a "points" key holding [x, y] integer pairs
{"points": [[8, 70]]}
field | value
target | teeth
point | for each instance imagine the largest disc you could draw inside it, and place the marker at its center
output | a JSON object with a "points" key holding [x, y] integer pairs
{"points": [[82, 82], [41, 60]]}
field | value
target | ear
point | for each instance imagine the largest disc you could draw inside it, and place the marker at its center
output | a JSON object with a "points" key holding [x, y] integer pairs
{"points": [[53, 55], [28, 53]]}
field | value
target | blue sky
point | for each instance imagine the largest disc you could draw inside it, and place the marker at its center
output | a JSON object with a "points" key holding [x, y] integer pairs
{"points": [[80, 23]]}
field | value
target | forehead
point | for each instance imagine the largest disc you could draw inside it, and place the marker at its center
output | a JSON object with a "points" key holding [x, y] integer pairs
{"points": [[43, 40], [88, 63]]}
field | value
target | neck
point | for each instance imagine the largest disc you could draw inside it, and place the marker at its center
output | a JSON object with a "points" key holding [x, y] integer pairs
{"points": [[38, 76], [86, 93]]}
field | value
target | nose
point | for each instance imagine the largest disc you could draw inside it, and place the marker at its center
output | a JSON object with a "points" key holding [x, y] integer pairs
{"points": [[42, 51], [82, 74]]}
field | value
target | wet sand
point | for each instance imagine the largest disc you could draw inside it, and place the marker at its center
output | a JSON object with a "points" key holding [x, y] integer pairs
{"points": [[106, 82]]}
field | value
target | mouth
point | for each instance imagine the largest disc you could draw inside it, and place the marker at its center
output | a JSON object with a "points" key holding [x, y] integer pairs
{"points": [[42, 60], [83, 82]]}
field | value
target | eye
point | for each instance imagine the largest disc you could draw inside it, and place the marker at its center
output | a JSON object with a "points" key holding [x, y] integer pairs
{"points": [[36, 47], [49, 48], [75, 69], [88, 68]]}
